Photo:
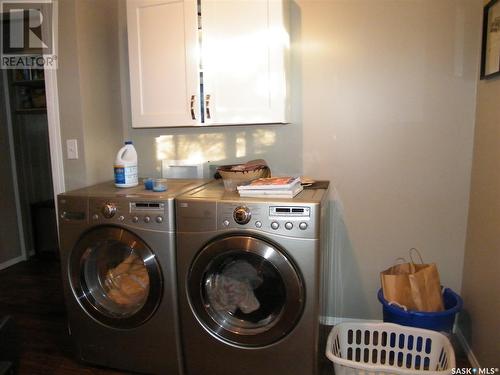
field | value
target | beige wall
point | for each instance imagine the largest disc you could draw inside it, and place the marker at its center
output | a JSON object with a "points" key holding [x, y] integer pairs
{"points": [[89, 88], [70, 110], [388, 93], [481, 287]]}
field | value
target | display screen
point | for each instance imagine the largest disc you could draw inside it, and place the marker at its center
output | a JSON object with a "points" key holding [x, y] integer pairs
{"points": [[147, 206], [282, 210], [290, 211]]}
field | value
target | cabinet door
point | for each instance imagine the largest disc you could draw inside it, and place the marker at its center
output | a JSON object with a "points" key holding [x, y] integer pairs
{"points": [[163, 61], [244, 49]]}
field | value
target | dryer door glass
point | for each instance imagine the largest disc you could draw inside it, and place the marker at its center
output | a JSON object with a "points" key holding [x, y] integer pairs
{"points": [[246, 291], [116, 277]]}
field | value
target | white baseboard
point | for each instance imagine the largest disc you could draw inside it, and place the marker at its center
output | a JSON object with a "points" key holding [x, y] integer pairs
{"points": [[334, 320], [466, 347], [11, 262]]}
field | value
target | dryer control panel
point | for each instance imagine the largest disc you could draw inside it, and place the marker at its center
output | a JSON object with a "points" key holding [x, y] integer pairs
{"points": [[288, 220]]}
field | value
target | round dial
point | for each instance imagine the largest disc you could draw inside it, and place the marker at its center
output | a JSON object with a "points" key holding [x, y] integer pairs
{"points": [[242, 215], [108, 210]]}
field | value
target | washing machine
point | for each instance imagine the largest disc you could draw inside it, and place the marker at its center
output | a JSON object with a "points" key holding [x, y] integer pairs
{"points": [[117, 250], [249, 281]]}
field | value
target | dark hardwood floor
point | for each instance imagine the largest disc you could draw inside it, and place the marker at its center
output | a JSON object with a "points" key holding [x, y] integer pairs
{"points": [[31, 294]]}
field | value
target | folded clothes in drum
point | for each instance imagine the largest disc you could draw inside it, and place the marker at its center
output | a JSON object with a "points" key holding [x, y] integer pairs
{"points": [[233, 288], [128, 282]]}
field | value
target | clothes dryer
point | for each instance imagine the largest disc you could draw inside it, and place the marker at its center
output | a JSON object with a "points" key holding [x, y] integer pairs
{"points": [[249, 281], [117, 251]]}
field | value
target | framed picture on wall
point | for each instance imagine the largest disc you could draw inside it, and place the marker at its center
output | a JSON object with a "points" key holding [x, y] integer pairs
{"points": [[490, 54]]}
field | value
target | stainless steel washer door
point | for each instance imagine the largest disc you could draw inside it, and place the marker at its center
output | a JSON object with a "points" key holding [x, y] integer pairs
{"points": [[115, 277], [245, 291]]}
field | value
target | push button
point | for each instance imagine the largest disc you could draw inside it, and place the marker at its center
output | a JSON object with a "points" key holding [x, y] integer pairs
{"points": [[159, 219], [147, 219], [258, 224], [303, 226], [135, 219], [226, 223], [275, 225], [288, 225]]}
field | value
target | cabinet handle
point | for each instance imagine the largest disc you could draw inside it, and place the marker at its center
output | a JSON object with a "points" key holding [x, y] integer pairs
{"points": [[207, 105], [193, 114]]}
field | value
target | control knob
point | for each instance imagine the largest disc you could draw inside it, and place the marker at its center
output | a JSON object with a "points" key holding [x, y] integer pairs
{"points": [[108, 210], [242, 215]]}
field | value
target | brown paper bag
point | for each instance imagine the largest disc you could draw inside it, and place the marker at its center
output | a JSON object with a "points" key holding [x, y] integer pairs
{"points": [[415, 286]]}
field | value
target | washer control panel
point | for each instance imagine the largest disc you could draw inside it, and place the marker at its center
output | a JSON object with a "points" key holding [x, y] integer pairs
{"points": [[293, 221], [146, 214]]}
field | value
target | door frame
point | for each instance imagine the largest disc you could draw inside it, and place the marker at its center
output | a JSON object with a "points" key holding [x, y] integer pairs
{"points": [[15, 183], [55, 142], [54, 124], [56, 155]]}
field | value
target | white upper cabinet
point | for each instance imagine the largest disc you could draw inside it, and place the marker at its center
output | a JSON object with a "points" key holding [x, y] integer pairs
{"points": [[162, 37], [240, 76], [244, 45]]}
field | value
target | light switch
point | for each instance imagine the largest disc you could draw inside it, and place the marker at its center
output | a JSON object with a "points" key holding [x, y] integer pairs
{"points": [[72, 148]]}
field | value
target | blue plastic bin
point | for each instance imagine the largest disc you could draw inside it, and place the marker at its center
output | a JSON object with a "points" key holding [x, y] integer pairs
{"points": [[436, 321]]}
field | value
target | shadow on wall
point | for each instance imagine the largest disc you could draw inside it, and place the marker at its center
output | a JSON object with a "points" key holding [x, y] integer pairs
{"points": [[342, 281]]}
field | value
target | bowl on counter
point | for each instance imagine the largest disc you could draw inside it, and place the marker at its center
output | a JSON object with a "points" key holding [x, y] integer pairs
{"points": [[238, 174]]}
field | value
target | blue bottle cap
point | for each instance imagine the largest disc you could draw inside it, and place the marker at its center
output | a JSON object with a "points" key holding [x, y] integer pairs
{"points": [[128, 142], [159, 188]]}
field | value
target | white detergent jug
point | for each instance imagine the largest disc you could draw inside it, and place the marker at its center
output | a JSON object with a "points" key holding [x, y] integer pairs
{"points": [[126, 166]]}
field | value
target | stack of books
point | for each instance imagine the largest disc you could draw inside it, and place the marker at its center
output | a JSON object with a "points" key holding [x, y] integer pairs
{"points": [[271, 187]]}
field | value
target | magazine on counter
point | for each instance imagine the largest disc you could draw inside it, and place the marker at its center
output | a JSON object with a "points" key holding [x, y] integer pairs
{"points": [[271, 183], [272, 193]]}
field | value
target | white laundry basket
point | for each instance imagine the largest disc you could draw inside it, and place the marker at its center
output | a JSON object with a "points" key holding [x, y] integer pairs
{"points": [[386, 348]]}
